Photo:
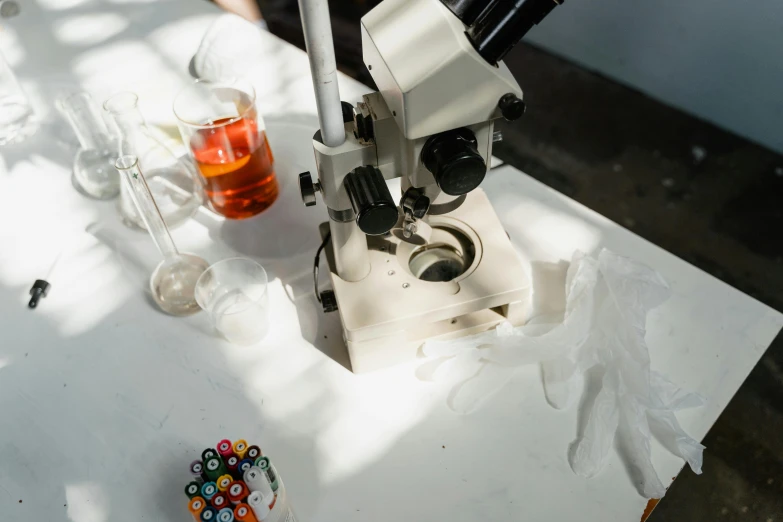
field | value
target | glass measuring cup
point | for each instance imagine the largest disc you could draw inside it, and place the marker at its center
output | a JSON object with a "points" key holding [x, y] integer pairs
{"points": [[220, 123]]}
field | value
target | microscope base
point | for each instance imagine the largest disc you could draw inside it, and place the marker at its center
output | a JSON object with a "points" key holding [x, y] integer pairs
{"points": [[389, 314]]}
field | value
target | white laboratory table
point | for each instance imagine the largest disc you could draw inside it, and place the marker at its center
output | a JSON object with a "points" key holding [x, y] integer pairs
{"points": [[105, 401]]}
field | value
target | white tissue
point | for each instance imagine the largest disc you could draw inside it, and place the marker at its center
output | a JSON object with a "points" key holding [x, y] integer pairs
{"points": [[608, 298], [229, 47]]}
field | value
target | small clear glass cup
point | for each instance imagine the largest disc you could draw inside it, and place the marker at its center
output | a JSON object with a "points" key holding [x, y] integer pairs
{"points": [[234, 294], [221, 125]]}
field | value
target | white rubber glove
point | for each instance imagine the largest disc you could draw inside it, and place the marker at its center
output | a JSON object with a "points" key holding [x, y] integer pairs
{"points": [[608, 298]]}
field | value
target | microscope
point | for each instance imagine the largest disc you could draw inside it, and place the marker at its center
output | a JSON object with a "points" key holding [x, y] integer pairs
{"points": [[433, 261]]}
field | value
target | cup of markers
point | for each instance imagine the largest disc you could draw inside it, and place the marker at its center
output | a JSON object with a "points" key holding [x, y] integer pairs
{"points": [[236, 483]]}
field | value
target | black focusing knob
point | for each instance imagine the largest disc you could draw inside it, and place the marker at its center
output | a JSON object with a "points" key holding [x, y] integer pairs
{"points": [[347, 112], [511, 107], [454, 160], [307, 188], [376, 212]]}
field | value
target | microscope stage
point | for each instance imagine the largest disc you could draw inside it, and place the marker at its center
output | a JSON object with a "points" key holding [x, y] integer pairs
{"points": [[388, 315]]}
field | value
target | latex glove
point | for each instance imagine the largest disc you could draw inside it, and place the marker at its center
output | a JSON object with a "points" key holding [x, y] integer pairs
{"points": [[557, 345], [608, 298]]}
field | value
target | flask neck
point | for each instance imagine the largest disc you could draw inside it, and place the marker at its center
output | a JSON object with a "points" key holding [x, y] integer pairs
{"points": [[128, 121], [85, 121], [130, 125]]}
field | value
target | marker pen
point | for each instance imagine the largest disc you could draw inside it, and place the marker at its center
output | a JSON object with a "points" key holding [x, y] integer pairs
{"points": [[237, 492], [209, 514], [208, 490], [225, 449], [192, 489], [259, 507], [219, 501], [214, 468], [196, 506], [232, 463], [266, 465], [256, 480], [226, 515], [240, 448], [253, 452], [209, 452], [244, 465], [223, 482], [243, 513], [197, 470]]}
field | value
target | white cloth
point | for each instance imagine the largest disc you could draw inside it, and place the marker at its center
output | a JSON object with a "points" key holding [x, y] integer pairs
{"points": [[229, 48]]}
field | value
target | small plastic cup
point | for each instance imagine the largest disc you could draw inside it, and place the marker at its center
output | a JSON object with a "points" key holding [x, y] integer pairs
{"points": [[234, 294]]}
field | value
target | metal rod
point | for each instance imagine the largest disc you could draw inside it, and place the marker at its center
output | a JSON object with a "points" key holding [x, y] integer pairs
{"points": [[349, 244], [323, 66]]}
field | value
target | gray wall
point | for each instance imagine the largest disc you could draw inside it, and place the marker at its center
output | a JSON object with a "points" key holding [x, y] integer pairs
{"points": [[721, 60]]}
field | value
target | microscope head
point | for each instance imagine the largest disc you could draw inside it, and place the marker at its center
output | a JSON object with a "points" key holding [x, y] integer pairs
{"points": [[441, 84], [428, 71], [442, 93]]}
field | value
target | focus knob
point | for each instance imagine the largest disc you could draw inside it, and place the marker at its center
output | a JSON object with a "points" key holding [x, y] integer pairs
{"points": [[511, 107], [307, 188], [454, 160], [376, 212]]}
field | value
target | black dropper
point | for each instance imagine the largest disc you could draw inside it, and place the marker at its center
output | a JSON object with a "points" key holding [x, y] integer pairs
{"points": [[39, 289]]}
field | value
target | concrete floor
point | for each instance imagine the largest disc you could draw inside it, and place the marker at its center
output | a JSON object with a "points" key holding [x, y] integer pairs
{"points": [[705, 195]]}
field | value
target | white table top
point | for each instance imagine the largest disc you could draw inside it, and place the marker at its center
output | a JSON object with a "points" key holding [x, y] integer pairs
{"points": [[105, 401]]}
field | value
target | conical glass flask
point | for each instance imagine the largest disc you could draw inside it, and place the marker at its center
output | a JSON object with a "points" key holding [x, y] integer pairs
{"points": [[173, 183], [93, 165]]}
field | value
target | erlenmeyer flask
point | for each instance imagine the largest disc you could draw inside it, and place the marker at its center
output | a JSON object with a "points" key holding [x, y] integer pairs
{"points": [[93, 165], [173, 183]]}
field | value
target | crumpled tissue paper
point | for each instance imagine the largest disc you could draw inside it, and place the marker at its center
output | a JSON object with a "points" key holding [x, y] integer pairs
{"points": [[228, 46], [608, 298]]}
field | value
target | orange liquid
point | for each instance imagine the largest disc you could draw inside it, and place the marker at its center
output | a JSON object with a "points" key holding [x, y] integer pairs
{"points": [[237, 166]]}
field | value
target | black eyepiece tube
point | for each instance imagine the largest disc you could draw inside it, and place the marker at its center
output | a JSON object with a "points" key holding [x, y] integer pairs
{"points": [[498, 29], [468, 10]]}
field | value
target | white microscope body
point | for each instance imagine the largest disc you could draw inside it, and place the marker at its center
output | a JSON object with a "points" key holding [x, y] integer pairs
{"points": [[434, 261]]}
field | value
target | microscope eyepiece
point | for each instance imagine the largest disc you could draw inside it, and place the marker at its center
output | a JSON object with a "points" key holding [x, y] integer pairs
{"points": [[500, 26]]}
